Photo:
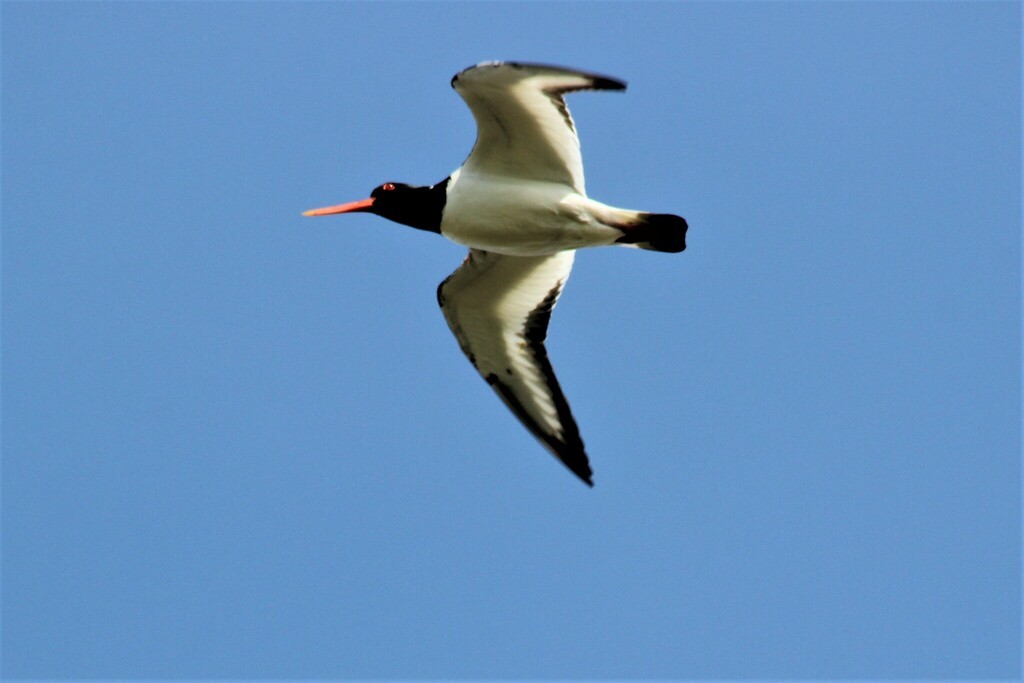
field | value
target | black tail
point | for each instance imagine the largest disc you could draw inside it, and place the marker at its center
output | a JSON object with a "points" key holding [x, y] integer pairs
{"points": [[657, 232]]}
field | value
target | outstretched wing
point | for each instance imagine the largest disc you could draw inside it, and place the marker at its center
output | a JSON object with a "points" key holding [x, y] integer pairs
{"points": [[498, 307], [524, 129]]}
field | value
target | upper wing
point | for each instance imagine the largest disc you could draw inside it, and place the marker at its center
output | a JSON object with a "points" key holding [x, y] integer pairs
{"points": [[524, 129], [498, 306]]}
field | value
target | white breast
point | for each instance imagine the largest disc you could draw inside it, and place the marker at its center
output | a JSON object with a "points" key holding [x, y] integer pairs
{"points": [[519, 217]]}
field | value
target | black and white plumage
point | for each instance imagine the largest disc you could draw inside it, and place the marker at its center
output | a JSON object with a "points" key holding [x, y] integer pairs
{"points": [[519, 203], [524, 129], [498, 307]]}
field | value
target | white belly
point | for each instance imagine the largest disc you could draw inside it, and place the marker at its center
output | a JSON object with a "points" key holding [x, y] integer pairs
{"points": [[519, 217]]}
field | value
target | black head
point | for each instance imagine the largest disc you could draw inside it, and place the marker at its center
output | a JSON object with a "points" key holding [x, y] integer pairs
{"points": [[418, 207], [390, 200]]}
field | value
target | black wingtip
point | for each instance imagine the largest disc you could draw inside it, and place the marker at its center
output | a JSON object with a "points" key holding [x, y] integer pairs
{"points": [[586, 475], [606, 83], [597, 81]]}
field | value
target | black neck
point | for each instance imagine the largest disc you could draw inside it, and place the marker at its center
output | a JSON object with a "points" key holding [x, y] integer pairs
{"points": [[417, 207]]}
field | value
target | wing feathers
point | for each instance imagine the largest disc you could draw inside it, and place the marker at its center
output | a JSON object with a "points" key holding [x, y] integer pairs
{"points": [[499, 307], [582, 80], [524, 129]]}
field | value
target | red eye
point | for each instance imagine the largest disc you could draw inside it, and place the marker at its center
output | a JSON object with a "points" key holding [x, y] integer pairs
{"points": [[387, 186]]}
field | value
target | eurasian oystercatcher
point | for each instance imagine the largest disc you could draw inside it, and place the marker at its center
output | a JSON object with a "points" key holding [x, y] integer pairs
{"points": [[519, 204]]}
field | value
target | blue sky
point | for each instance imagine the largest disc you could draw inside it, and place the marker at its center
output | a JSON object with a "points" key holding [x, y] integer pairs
{"points": [[239, 443]]}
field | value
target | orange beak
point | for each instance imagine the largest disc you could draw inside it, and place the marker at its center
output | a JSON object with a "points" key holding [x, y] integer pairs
{"points": [[363, 205]]}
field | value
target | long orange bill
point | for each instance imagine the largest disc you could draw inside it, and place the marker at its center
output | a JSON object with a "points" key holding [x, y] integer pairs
{"points": [[363, 205]]}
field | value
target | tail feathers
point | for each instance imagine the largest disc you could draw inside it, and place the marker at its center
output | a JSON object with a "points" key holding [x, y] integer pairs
{"points": [[657, 232]]}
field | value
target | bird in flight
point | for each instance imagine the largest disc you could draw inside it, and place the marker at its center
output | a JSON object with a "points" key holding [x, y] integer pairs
{"points": [[520, 205]]}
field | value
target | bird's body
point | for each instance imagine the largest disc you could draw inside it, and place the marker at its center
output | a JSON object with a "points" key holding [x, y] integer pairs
{"points": [[519, 203], [489, 213]]}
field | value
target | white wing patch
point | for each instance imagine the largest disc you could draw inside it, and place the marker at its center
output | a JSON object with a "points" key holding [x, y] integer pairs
{"points": [[524, 129], [498, 307]]}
